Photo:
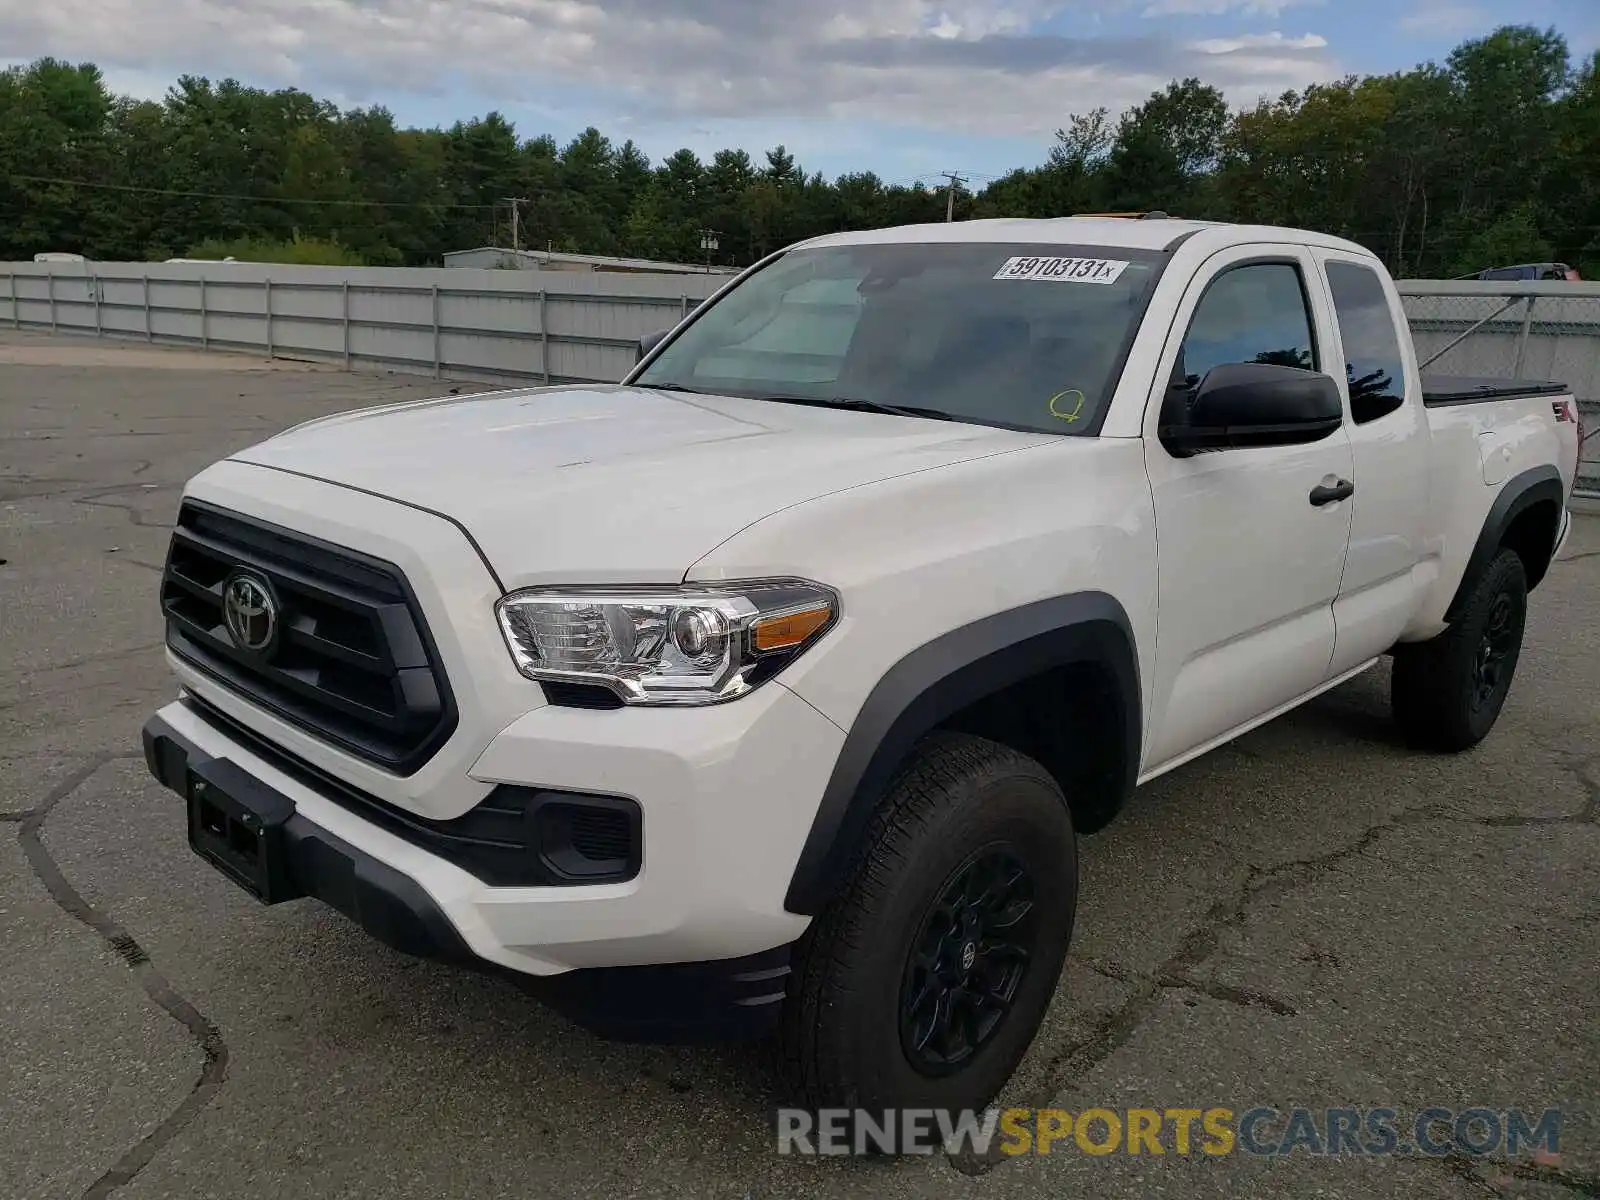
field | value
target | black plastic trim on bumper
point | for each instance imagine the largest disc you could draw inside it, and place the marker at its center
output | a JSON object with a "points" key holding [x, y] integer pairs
{"points": [[725, 1000], [721, 1000], [506, 840], [392, 907]]}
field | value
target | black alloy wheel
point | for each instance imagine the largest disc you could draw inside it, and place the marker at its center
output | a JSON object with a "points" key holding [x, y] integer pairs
{"points": [[967, 961], [1495, 650]]}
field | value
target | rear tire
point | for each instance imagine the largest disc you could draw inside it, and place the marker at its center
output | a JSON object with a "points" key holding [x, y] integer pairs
{"points": [[923, 984], [1447, 692]]}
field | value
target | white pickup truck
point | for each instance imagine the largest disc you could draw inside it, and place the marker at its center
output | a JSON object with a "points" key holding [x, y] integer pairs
{"points": [[768, 691]]}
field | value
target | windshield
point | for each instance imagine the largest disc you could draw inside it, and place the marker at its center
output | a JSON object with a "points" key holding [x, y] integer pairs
{"points": [[1024, 337]]}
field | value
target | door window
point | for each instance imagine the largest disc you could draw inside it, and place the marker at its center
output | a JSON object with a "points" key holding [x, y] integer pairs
{"points": [[1255, 313]]}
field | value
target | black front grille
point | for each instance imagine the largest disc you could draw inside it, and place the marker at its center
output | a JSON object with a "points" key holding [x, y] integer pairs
{"points": [[352, 663], [514, 836]]}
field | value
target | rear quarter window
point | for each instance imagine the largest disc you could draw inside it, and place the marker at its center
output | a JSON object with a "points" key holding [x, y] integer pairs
{"points": [[1374, 369]]}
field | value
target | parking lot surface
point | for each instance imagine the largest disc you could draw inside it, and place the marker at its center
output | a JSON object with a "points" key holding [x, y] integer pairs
{"points": [[1314, 916]]}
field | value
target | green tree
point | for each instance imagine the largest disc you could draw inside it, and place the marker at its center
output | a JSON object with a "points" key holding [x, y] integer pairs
{"points": [[54, 120], [1166, 148], [1571, 190], [1512, 238], [1444, 168], [1413, 163], [591, 206], [302, 251], [632, 172], [726, 204], [1507, 84]]}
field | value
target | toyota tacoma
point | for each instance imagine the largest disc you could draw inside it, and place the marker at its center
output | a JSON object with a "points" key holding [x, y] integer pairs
{"points": [[767, 692]]}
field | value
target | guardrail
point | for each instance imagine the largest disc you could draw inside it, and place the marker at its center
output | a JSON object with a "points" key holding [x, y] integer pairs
{"points": [[565, 327]]}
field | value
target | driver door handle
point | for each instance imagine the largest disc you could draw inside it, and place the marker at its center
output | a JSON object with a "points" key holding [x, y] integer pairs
{"points": [[1341, 490]]}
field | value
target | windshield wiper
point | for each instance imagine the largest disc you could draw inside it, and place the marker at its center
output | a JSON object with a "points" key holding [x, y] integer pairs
{"points": [[897, 410], [671, 387]]}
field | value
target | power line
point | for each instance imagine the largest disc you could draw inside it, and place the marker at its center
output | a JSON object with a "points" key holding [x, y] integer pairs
{"points": [[516, 203], [710, 240], [155, 191], [1451, 238], [950, 201]]}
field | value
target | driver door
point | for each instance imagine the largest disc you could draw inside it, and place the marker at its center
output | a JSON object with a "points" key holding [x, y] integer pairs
{"points": [[1249, 562]]}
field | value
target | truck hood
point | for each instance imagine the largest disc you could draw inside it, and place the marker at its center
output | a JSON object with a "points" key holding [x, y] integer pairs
{"points": [[612, 484]]}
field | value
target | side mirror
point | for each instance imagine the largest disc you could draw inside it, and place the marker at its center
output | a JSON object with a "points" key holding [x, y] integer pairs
{"points": [[1251, 404], [649, 342]]}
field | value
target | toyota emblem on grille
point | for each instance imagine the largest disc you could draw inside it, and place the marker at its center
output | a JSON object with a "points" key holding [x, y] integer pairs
{"points": [[250, 612]]}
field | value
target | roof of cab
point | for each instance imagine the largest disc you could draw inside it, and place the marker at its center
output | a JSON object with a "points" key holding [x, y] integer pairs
{"points": [[1148, 233], [1152, 234]]}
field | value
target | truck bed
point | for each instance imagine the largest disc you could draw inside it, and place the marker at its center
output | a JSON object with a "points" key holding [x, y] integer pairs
{"points": [[1439, 390]]}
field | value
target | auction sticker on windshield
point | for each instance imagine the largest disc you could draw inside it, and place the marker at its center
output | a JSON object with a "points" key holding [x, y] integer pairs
{"points": [[1064, 270]]}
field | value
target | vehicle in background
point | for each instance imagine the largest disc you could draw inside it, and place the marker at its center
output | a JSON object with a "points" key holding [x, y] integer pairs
{"points": [[1530, 271]]}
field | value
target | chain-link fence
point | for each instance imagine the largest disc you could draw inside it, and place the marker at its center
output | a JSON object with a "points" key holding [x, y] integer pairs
{"points": [[1515, 331]]}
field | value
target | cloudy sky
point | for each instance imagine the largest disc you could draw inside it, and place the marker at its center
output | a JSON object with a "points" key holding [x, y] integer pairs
{"points": [[908, 88]]}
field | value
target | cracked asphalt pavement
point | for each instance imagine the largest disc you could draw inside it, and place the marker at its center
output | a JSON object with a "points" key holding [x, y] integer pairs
{"points": [[1312, 916]]}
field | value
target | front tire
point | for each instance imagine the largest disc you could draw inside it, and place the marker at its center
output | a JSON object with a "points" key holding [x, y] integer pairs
{"points": [[923, 984], [1447, 692]]}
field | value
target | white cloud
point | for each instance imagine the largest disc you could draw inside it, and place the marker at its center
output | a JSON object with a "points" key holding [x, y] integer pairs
{"points": [[974, 66], [1217, 8], [1260, 41], [1446, 20]]}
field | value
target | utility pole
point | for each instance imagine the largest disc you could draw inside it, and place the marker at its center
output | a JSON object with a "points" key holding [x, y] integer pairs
{"points": [[516, 203], [950, 200]]}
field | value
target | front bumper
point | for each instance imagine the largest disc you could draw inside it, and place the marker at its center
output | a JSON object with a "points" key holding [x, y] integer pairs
{"points": [[694, 946], [390, 906]]}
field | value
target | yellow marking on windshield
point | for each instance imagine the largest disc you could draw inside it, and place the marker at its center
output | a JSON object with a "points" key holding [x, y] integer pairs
{"points": [[1067, 405]]}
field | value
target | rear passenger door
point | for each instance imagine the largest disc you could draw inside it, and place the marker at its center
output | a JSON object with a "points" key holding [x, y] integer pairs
{"points": [[1389, 445], [1248, 560]]}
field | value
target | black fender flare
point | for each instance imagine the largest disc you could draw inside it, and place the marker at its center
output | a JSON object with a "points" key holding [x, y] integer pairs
{"points": [[943, 677], [1541, 484]]}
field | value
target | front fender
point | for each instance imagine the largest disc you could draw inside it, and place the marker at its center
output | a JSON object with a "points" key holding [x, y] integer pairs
{"points": [[943, 677]]}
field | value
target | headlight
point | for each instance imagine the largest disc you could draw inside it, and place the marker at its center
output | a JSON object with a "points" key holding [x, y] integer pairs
{"points": [[688, 645]]}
